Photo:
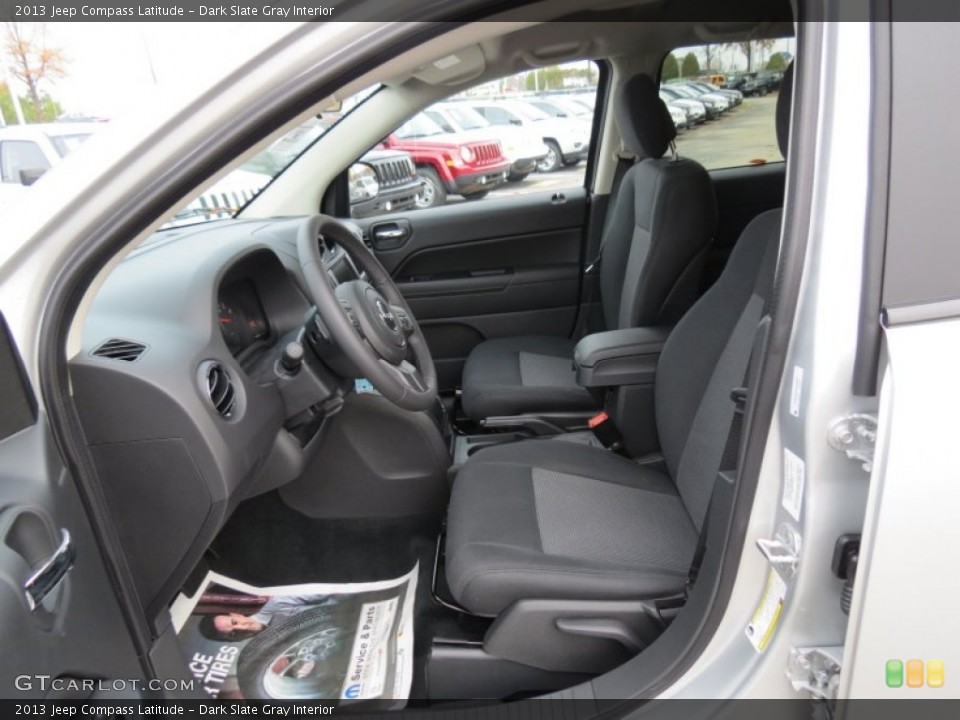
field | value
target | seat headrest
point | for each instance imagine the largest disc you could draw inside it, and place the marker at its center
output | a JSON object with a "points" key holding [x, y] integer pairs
{"points": [[784, 104], [642, 117]]}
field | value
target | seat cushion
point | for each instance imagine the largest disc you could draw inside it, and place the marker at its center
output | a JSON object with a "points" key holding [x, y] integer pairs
{"points": [[551, 520], [516, 375]]}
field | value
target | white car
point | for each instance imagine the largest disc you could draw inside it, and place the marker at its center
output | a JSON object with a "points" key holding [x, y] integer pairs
{"points": [[28, 151], [523, 148], [568, 141]]}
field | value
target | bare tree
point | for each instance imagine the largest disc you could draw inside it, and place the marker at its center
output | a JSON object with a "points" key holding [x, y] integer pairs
{"points": [[33, 59], [751, 48], [764, 46]]}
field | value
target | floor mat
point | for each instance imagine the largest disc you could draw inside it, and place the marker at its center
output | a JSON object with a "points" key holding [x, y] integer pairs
{"points": [[268, 543]]}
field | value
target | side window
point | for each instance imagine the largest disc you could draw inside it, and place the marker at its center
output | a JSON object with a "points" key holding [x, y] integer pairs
{"points": [[17, 155], [521, 134], [441, 120], [722, 98]]}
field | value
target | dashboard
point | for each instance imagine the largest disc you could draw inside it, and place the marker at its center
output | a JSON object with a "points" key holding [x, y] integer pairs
{"points": [[203, 415]]}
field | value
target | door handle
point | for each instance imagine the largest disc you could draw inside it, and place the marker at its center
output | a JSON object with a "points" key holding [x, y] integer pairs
{"points": [[49, 575], [390, 235]]}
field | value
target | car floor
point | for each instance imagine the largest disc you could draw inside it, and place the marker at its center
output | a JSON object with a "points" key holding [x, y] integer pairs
{"points": [[266, 543]]}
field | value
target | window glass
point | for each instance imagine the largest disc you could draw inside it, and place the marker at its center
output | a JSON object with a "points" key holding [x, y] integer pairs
{"points": [[493, 141], [65, 144], [722, 97], [17, 155]]}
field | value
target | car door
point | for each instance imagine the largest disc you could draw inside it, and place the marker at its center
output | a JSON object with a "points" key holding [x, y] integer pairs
{"points": [[507, 264], [62, 627], [498, 267]]}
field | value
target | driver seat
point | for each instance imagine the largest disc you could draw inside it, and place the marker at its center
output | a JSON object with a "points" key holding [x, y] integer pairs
{"points": [[550, 520]]}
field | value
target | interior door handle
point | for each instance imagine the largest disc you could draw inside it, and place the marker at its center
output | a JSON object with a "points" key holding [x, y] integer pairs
{"points": [[46, 578], [389, 234]]}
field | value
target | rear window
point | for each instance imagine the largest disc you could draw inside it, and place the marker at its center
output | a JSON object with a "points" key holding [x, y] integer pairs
{"points": [[723, 99]]}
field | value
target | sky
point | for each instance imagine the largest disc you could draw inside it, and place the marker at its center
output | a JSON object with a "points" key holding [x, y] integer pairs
{"points": [[113, 66]]}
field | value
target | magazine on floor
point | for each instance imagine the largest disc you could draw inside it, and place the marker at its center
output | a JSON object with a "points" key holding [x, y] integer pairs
{"points": [[319, 641]]}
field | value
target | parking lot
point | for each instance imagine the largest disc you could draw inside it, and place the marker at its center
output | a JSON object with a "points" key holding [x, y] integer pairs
{"points": [[743, 136]]}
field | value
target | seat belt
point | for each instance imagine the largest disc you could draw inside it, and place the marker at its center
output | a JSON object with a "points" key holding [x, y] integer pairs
{"points": [[623, 165], [729, 461]]}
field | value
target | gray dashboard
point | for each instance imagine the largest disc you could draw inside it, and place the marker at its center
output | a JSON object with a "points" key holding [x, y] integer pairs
{"points": [[183, 419]]}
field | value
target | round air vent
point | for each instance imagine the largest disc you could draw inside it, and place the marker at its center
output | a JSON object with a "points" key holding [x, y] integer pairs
{"points": [[220, 390]]}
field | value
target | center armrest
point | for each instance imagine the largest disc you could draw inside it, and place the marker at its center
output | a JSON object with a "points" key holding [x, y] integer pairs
{"points": [[619, 357]]}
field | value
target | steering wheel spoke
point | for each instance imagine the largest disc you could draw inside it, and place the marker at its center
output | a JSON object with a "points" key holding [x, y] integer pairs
{"points": [[408, 374]]}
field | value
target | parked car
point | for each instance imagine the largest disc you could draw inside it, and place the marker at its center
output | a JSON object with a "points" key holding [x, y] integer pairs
{"points": [[449, 164], [568, 141], [748, 83], [28, 151], [721, 102], [713, 107], [523, 148], [679, 117], [695, 110], [562, 106], [735, 96]]}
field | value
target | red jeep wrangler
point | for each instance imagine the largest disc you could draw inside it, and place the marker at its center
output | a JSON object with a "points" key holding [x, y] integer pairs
{"points": [[448, 163]]}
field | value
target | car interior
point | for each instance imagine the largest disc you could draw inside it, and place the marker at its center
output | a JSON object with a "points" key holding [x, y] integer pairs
{"points": [[533, 397]]}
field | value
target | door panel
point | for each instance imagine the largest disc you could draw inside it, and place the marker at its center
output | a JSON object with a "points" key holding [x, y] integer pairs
{"points": [[78, 629], [478, 270]]}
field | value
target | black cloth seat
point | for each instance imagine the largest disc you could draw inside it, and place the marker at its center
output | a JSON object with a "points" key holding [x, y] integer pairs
{"points": [[514, 375], [544, 519], [652, 252]]}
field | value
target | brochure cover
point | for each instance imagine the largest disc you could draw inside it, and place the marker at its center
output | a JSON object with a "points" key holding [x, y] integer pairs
{"points": [[346, 642]]}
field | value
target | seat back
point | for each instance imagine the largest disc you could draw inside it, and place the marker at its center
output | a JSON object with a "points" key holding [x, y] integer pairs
{"points": [[708, 352], [662, 219]]}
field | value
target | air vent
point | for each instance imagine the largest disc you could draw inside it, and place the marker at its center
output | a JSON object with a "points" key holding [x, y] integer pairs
{"points": [[220, 390], [117, 349]]}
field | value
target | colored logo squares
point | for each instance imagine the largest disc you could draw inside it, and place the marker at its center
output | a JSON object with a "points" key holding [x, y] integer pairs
{"points": [[913, 673]]}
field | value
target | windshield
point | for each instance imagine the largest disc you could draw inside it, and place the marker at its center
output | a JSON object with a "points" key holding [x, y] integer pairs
{"points": [[65, 144], [468, 118], [230, 195], [529, 112], [419, 126]]}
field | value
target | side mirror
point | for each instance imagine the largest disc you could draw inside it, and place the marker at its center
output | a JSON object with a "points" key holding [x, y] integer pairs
{"points": [[516, 121], [363, 182], [28, 176]]}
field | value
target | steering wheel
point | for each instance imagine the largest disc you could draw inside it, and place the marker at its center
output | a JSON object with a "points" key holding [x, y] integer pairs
{"points": [[369, 319]]}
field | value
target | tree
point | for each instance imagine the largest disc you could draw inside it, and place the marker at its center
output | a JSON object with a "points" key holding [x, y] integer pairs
{"points": [[708, 57], [764, 46], [691, 66], [777, 62], [746, 47], [33, 59], [50, 109], [671, 69]]}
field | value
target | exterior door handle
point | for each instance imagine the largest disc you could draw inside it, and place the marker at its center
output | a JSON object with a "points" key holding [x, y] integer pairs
{"points": [[49, 575]]}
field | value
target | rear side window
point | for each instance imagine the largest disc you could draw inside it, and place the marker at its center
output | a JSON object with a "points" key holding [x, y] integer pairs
{"points": [[17, 155], [723, 99]]}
